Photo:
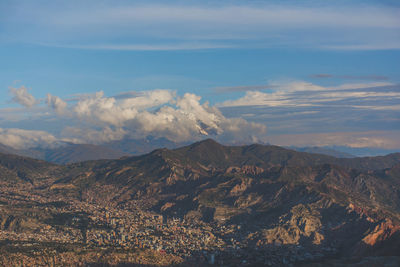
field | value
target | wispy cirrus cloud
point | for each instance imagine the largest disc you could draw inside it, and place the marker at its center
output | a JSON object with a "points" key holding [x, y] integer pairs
{"points": [[302, 114], [378, 139], [350, 77], [117, 25], [356, 46], [144, 47], [227, 89], [301, 93]]}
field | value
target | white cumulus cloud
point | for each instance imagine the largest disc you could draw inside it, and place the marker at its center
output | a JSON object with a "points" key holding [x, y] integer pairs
{"points": [[22, 96], [85, 135], [159, 113], [102, 110], [23, 139], [56, 103]]}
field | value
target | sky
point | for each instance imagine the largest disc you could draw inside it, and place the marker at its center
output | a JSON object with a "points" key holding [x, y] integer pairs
{"points": [[300, 73]]}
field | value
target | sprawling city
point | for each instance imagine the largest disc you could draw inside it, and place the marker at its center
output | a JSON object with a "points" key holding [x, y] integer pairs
{"points": [[199, 133]]}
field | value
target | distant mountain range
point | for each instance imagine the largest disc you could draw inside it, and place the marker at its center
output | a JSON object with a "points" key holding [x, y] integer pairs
{"points": [[345, 151], [67, 153], [364, 151], [324, 151], [71, 153]]}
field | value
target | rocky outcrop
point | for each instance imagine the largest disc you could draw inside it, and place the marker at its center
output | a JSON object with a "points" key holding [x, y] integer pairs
{"points": [[383, 231]]}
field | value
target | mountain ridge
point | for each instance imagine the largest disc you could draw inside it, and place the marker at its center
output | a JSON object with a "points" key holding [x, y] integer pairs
{"points": [[273, 198], [71, 153]]}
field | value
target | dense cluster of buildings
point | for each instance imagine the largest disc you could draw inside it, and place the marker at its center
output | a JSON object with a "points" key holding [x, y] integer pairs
{"points": [[100, 227]]}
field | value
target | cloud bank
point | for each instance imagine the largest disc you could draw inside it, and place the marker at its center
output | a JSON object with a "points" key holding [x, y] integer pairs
{"points": [[23, 139], [296, 112], [98, 119], [160, 113]]}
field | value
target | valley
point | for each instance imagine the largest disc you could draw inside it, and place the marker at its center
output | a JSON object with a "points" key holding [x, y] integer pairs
{"points": [[201, 204]]}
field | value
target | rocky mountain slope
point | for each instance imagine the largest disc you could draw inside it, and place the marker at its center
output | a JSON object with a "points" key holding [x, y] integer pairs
{"points": [[296, 198], [17, 169], [258, 200]]}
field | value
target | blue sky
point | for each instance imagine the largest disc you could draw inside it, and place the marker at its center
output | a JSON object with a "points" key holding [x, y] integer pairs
{"points": [[290, 72]]}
